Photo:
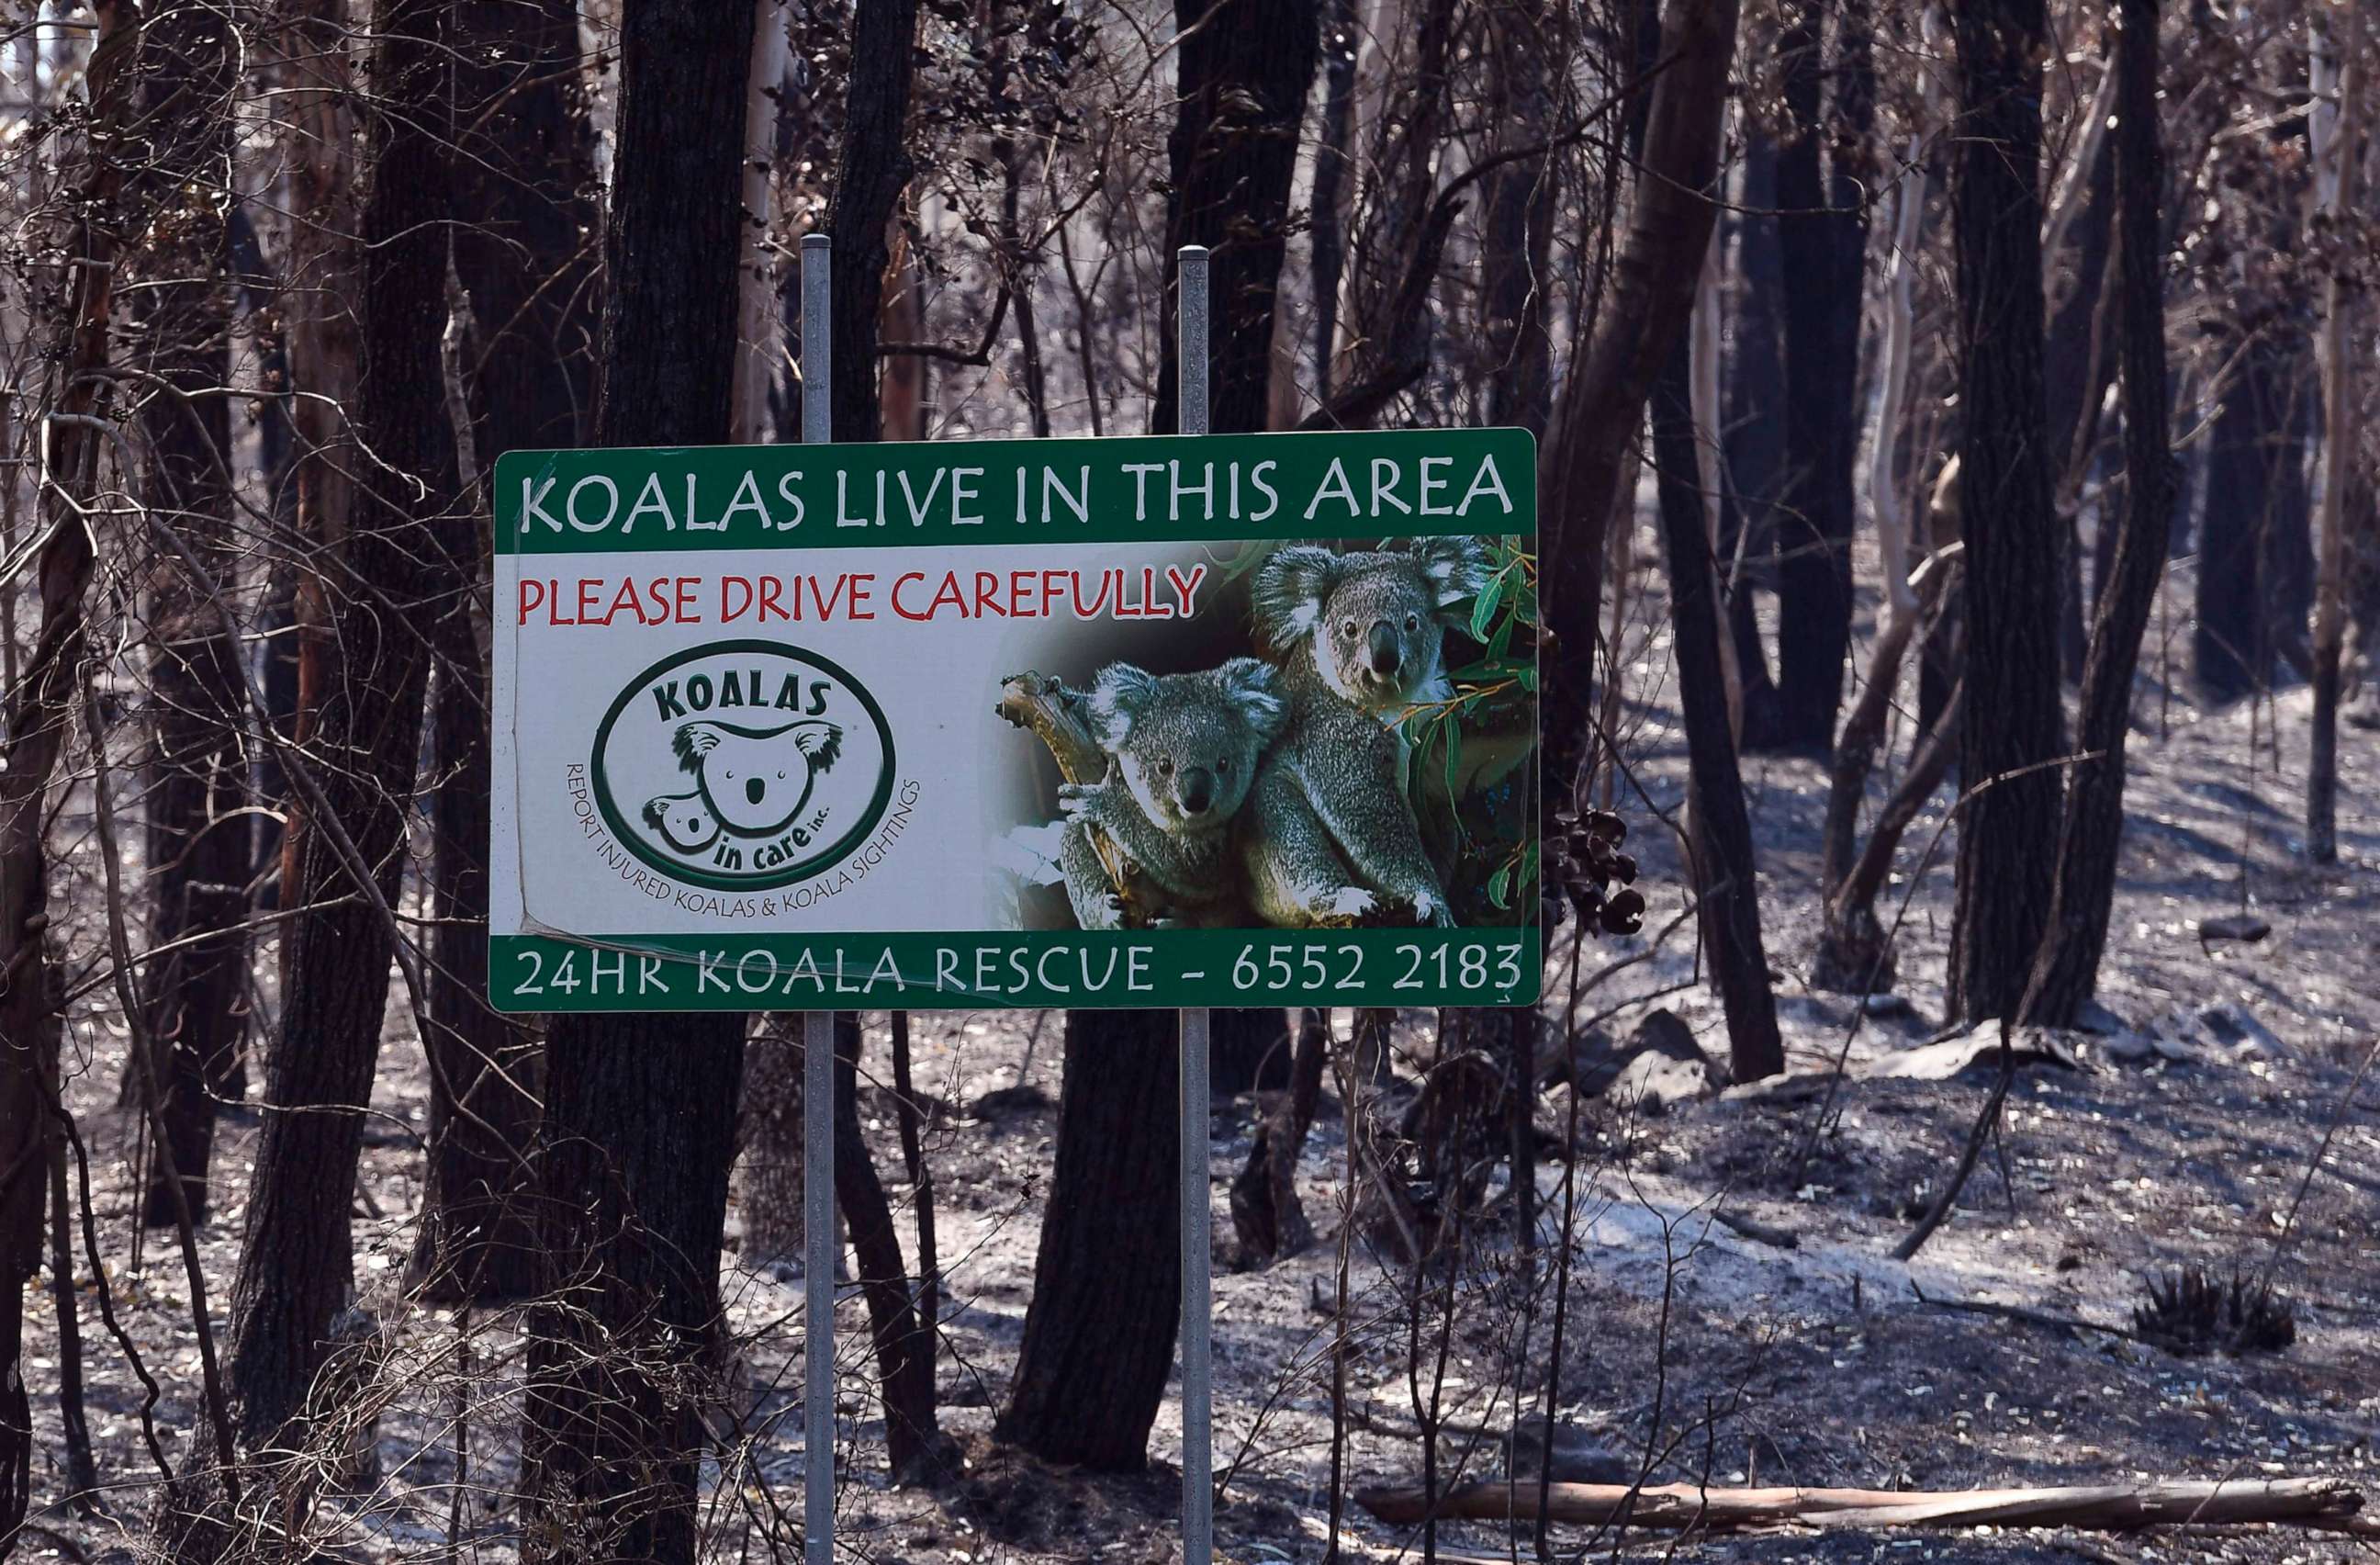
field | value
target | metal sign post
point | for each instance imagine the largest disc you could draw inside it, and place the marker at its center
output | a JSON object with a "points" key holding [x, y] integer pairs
{"points": [[1197, 1255], [818, 1028]]}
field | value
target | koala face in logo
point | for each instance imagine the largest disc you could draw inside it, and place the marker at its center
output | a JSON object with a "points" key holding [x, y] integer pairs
{"points": [[1187, 744], [757, 780], [1375, 619], [685, 821]]}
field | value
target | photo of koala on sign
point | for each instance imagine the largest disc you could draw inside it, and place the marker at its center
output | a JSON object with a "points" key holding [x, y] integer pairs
{"points": [[1344, 736]]}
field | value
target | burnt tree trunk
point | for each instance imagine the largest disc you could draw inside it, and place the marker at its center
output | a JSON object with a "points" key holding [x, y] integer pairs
{"points": [[1266, 1214], [871, 168], [1823, 238], [641, 1111], [1246, 66], [1515, 263], [1099, 1331], [2093, 832], [1726, 889], [904, 1340], [524, 195], [36, 718], [2256, 501], [1652, 294], [2008, 833], [1333, 164], [1754, 438], [295, 1262], [768, 1174], [197, 830], [1107, 1280]]}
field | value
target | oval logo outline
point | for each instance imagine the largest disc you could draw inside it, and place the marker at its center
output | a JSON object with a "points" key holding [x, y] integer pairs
{"points": [[639, 841]]}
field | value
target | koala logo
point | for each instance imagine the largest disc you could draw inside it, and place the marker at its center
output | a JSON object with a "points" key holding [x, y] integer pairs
{"points": [[756, 781], [789, 761]]}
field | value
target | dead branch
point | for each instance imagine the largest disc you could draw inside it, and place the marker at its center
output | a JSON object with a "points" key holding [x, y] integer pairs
{"points": [[2327, 1503]]}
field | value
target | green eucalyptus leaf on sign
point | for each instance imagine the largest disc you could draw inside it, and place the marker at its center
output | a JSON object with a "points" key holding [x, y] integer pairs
{"points": [[1483, 613]]}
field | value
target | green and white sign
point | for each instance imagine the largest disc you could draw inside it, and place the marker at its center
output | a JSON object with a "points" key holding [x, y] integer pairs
{"points": [[1222, 720]]}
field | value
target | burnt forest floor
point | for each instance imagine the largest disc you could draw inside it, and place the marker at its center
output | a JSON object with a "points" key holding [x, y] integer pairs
{"points": [[2182, 1138]]}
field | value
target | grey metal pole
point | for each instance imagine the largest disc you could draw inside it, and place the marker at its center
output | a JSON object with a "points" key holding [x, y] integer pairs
{"points": [[817, 1029], [1197, 1254]]}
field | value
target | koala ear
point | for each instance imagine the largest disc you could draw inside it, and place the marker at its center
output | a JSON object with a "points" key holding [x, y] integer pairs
{"points": [[1456, 568], [1290, 591], [1117, 697], [821, 742], [694, 741], [1253, 686]]}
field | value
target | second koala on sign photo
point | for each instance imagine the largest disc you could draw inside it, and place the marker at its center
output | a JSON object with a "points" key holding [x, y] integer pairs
{"points": [[1182, 751]]}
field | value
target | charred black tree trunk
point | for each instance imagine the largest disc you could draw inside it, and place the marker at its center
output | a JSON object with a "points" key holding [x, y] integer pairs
{"points": [[2093, 832], [1099, 1332], [1652, 296], [1754, 437], [296, 1263], [1246, 66], [1726, 889], [641, 1111], [1265, 1212], [523, 193], [870, 170], [904, 1340], [1248, 1051], [2255, 555], [198, 829], [1516, 260], [1107, 1281], [2007, 835], [1823, 234], [1333, 169], [2078, 364]]}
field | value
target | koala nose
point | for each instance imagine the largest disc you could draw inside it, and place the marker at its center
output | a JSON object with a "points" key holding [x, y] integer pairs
{"points": [[755, 788], [1196, 791], [1386, 653]]}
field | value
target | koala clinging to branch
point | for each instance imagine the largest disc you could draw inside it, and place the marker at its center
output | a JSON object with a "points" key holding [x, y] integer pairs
{"points": [[1182, 751], [1361, 638]]}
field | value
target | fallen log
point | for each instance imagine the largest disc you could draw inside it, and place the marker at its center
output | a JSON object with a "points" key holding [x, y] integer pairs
{"points": [[2327, 1503]]}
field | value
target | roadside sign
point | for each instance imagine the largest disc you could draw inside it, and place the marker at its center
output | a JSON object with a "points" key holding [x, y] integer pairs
{"points": [[1161, 722]]}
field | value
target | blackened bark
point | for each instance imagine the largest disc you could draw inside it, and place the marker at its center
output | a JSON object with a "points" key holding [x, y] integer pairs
{"points": [[1332, 166], [36, 718], [870, 169], [2092, 831], [1726, 889], [1754, 438], [1823, 236], [523, 254], [637, 1116], [1516, 260], [1245, 66], [2007, 836], [769, 1145], [905, 1343], [296, 1263], [1107, 1281], [1652, 294], [641, 1111], [198, 829], [2078, 364], [2255, 492], [1248, 1051], [1265, 1212]]}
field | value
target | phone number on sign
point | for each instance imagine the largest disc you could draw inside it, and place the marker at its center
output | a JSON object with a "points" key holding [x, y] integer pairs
{"points": [[1311, 970]]}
